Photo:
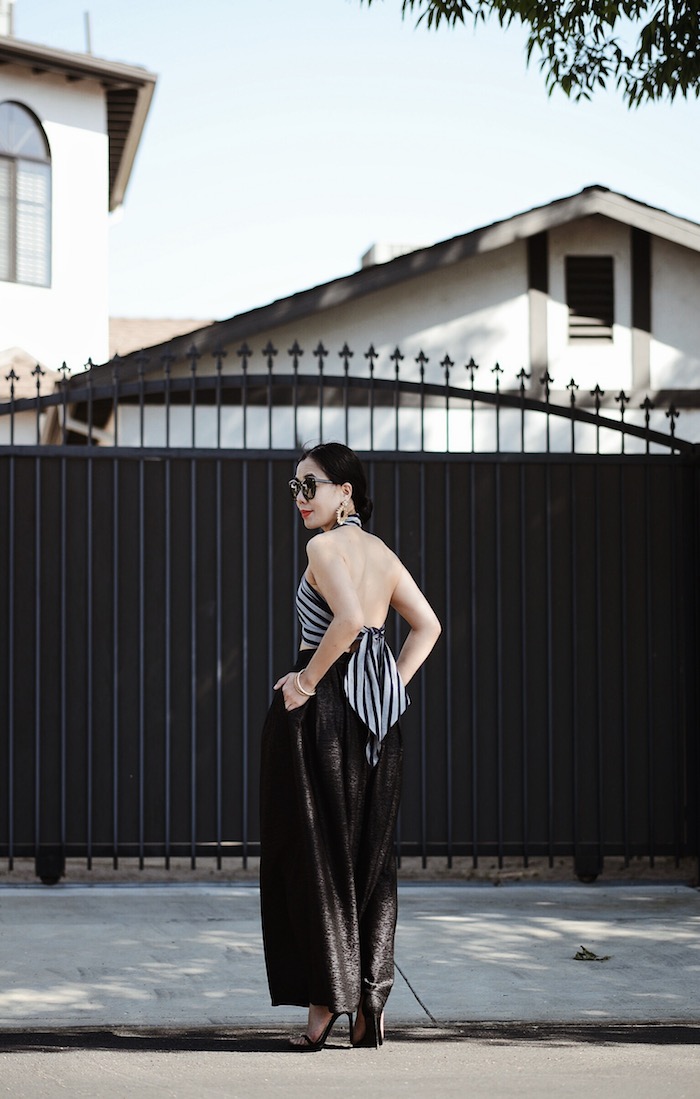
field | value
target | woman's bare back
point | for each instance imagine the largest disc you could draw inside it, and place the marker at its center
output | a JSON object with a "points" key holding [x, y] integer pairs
{"points": [[374, 570]]}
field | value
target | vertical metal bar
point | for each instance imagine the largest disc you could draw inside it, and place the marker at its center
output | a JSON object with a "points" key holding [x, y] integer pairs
{"points": [[115, 670], [446, 364], [193, 662], [499, 653], [269, 352], [397, 619], [550, 660], [90, 368], [675, 724], [245, 656], [244, 354], [12, 378], [371, 355], [448, 657], [193, 356], [38, 374], [141, 367], [422, 360], [524, 666], [89, 658], [497, 371], [573, 577], [600, 664], [115, 403], [167, 361], [220, 355], [346, 354], [63, 371], [522, 376], [219, 667], [63, 645], [11, 661], [142, 663], [423, 701], [546, 381], [471, 367], [167, 656], [320, 354], [474, 666], [649, 593], [396, 358], [37, 653], [295, 352], [572, 387], [623, 665]]}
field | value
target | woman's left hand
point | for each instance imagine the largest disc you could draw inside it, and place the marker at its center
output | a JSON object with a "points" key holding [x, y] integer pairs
{"points": [[293, 698]]}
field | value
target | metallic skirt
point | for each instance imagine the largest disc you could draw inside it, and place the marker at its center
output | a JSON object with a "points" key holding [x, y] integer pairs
{"points": [[328, 866]]}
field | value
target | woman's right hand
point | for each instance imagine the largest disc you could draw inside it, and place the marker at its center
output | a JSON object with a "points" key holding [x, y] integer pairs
{"points": [[293, 698]]}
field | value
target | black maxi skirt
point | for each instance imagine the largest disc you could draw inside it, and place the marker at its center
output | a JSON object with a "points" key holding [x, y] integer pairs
{"points": [[328, 867]]}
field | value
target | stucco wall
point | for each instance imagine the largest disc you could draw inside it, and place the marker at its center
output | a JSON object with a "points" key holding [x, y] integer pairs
{"points": [[475, 308], [675, 317], [67, 321], [589, 362]]}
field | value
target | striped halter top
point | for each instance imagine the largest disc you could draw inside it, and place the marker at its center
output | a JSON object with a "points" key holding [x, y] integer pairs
{"points": [[372, 683]]}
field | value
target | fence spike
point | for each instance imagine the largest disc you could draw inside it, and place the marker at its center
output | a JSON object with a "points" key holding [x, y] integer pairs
{"points": [[295, 352], [497, 370], [244, 353], [572, 387], [371, 355], [672, 415], [397, 358], [521, 376], [320, 353], [219, 354], [345, 354]]}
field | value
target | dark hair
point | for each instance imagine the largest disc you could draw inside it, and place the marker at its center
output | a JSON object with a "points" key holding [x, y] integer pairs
{"points": [[340, 464]]}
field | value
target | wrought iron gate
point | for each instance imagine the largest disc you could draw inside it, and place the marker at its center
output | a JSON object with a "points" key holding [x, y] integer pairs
{"points": [[147, 607]]}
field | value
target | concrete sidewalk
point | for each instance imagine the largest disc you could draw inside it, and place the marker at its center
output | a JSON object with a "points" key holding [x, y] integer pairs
{"points": [[191, 956]]}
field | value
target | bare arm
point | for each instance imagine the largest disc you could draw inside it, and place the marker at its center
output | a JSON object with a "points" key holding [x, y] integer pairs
{"points": [[425, 629]]}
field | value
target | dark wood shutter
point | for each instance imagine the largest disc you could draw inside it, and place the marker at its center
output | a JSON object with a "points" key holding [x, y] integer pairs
{"points": [[590, 297]]}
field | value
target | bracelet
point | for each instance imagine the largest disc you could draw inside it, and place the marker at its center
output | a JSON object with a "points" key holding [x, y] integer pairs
{"points": [[300, 689]]}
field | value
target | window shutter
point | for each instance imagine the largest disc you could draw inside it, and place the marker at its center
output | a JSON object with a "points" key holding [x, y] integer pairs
{"points": [[590, 297], [33, 223], [6, 249]]}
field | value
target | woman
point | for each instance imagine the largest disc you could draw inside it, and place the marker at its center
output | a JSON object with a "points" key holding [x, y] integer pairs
{"points": [[331, 763]]}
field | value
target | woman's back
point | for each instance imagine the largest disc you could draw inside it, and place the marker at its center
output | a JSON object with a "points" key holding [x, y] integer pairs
{"points": [[372, 568]]}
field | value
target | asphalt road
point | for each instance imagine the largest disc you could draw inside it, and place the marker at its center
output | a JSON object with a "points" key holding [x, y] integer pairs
{"points": [[624, 1063]]}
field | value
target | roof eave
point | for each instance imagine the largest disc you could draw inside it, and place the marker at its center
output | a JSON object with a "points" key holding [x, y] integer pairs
{"points": [[111, 75], [131, 145]]}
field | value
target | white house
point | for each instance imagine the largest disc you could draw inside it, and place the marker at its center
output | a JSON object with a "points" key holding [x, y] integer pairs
{"points": [[595, 287], [70, 126]]}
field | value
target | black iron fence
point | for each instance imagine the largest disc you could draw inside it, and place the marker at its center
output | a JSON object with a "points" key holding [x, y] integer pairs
{"points": [[147, 607]]}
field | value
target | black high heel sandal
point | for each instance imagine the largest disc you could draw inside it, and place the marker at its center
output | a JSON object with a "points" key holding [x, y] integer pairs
{"points": [[311, 1046], [372, 1037]]}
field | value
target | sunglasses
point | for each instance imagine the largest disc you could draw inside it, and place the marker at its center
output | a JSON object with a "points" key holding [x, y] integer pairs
{"points": [[307, 485]]}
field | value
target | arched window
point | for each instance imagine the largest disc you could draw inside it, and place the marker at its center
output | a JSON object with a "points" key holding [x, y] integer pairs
{"points": [[25, 198]]}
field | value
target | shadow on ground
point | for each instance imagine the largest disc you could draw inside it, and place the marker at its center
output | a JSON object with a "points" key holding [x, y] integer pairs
{"points": [[218, 1039]]}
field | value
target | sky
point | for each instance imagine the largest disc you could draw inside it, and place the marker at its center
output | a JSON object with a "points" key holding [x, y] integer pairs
{"points": [[287, 136]]}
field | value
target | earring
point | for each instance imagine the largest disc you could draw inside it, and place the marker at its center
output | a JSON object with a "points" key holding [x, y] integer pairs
{"points": [[341, 513]]}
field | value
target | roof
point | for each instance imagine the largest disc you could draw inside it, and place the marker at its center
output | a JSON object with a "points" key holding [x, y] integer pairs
{"points": [[127, 334], [369, 280], [128, 90]]}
